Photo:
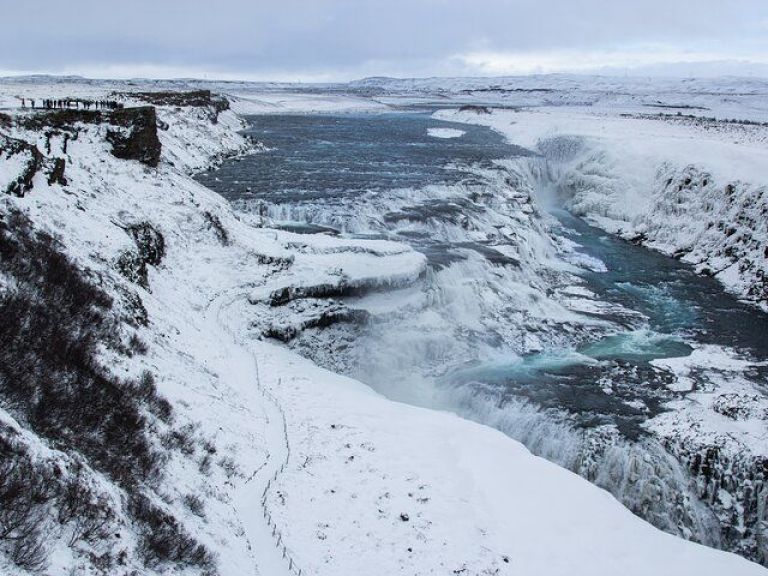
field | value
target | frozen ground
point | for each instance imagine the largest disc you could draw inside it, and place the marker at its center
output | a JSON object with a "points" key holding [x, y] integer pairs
{"points": [[370, 486]]}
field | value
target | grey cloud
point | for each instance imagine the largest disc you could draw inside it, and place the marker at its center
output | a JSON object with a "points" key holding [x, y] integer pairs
{"points": [[345, 36]]}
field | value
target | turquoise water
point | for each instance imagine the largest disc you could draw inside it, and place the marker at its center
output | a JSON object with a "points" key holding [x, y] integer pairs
{"points": [[678, 309], [674, 299]]}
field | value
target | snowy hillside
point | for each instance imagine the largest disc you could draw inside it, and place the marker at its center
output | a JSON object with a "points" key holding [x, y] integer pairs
{"points": [[735, 98], [256, 460]]}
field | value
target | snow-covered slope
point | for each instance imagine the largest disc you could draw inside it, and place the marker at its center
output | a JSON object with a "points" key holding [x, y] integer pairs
{"points": [[689, 187], [291, 467], [724, 98]]}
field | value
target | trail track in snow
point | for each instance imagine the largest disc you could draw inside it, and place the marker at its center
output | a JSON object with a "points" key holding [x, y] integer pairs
{"points": [[264, 540]]}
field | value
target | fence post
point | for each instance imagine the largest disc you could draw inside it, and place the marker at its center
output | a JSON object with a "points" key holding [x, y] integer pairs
{"points": [[275, 532]]}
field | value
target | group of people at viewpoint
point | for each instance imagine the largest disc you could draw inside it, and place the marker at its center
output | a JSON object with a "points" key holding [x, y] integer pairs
{"points": [[77, 104]]}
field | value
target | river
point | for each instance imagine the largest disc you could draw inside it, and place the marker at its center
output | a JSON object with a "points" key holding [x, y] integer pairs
{"points": [[475, 345]]}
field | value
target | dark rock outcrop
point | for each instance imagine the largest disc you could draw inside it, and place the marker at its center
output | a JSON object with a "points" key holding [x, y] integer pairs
{"points": [[476, 109], [734, 487], [287, 294], [134, 136], [57, 174], [32, 161], [62, 119], [137, 140], [286, 332], [193, 98], [150, 250]]}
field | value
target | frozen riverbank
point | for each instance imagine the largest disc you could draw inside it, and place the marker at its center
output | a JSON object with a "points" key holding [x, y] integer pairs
{"points": [[690, 188]]}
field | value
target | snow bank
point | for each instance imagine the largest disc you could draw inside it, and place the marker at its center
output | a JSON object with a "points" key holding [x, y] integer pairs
{"points": [[252, 101], [375, 487], [445, 133]]}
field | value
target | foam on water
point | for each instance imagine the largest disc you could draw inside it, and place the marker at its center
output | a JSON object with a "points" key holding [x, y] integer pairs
{"points": [[528, 368], [641, 345]]}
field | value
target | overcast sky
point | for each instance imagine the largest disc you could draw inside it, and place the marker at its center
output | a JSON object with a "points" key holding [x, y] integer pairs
{"points": [[325, 40]]}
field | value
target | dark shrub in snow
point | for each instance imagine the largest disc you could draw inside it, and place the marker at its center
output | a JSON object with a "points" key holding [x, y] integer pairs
{"points": [[163, 539], [54, 322]]}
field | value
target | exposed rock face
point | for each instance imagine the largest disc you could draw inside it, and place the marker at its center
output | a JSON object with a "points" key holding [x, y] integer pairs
{"points": [[313, 314], [150, 249], [476, 109], [134, 136], [194, 98], [718, 227], [734, 487], [138, 138], [718, 224], [29, 161], [57, 174], [288, 294]]}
